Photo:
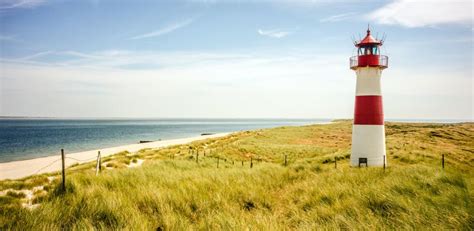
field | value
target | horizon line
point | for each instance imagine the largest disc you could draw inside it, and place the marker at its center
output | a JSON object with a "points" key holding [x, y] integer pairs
{"points": [[229, 118]]}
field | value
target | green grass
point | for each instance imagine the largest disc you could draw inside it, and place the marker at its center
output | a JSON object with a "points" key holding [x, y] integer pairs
{"points": [[176, 193]]}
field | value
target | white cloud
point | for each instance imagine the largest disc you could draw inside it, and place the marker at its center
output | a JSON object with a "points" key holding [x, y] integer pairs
{"points": [[193, 84], [12, 4], [165, 30], [338, 17], [276, 33], [220, 84], [410, 13]]}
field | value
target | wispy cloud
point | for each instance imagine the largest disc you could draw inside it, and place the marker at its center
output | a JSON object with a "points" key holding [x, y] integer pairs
{"points": [[12, 4], [165, 30], [275, 33], [36, 55], [423, 13], [338, 17], [222, 84], [7, 38]]}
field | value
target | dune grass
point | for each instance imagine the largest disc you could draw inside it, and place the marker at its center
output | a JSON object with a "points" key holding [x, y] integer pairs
{"points": [[171, 191]]}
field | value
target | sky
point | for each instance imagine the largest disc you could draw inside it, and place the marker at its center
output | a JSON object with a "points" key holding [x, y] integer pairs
{"points": [[231, 59]]}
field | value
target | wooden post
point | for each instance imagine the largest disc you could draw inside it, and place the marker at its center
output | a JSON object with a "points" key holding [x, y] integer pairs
{"points": [[98, 166], [442, 161], [64, 170], [100, 162], [242, 163], [286, 161], [197, 158], [251, 162], [335, 162], [383, 162], [217, 162]]}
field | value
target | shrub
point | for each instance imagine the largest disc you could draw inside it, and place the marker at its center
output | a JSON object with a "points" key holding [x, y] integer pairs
{"points": [[14, 194]]}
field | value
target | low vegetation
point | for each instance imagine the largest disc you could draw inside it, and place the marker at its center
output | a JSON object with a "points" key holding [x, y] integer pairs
{"points": [[172, 190]]}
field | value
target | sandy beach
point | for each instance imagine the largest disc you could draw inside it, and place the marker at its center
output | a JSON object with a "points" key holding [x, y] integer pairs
{"points": [[24, 168]]}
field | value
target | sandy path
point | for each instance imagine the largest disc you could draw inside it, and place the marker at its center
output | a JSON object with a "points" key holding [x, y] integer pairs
{"points": [[23, 168]]}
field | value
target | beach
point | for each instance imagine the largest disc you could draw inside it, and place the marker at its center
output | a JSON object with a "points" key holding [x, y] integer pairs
{"points": [[24, 168]]}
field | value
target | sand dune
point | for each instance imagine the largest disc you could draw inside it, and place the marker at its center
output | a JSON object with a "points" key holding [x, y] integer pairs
{"points": [[23, 168]]}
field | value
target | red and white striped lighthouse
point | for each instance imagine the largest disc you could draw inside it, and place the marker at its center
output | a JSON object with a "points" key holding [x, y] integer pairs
{"points": [[368, 131]]}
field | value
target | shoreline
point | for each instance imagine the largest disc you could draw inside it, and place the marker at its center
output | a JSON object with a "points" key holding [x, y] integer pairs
{"points": [[23, 168]]}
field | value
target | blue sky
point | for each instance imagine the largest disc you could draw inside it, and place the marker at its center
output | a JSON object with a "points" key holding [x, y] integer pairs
{"points": [[230, 58]]}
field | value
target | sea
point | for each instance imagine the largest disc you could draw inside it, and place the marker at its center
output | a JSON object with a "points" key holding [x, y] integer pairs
{"points": [[26, 138]]}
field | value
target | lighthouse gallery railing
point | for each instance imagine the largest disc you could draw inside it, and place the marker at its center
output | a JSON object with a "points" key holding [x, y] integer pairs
{"points": [[382, 61]]}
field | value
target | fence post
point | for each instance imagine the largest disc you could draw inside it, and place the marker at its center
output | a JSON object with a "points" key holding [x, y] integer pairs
{"points": [[98, 166], [335, 162], [100, 162], [242, 163], [286, 162], [217, 162], [442, 161], [64, 170], [384, 163], [251, 162], [197, 158]]}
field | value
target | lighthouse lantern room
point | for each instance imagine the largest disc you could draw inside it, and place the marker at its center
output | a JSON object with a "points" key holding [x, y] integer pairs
{"points": [[368, 131]]}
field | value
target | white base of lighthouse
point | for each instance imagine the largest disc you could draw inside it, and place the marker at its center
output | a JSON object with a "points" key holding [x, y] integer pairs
{"points": [[368, 141]]}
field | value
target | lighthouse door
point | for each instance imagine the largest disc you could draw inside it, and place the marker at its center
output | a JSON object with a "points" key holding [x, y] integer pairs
{"points": [[363, 161]]}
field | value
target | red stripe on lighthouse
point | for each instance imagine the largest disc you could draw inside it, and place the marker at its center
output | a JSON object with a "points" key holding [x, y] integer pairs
{"points": [[368, 110]]}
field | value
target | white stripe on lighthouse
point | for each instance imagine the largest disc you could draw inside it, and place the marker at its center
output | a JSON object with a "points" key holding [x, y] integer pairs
{"points": [[368, 81], [368, 141]]}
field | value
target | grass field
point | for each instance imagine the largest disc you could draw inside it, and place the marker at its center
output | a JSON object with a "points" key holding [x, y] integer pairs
{"points": [[171, 191]]}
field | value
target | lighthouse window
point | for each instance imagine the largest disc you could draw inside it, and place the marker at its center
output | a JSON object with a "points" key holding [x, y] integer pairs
{"points": [[370, 50], [375, 50]]}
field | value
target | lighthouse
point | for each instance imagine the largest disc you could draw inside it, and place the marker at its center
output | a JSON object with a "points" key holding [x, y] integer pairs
{"points": [[368, 131]]}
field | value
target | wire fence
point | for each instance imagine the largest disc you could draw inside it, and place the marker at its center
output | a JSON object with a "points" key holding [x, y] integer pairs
{"points": [[71, 158], [194, 155], [86, 160], [47, 166]]}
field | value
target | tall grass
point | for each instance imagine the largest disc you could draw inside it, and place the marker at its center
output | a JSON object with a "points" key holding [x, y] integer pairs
{"points": [[309, 193]]}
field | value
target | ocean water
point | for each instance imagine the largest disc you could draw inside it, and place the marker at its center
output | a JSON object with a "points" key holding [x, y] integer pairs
{"points": [[22, 139]]}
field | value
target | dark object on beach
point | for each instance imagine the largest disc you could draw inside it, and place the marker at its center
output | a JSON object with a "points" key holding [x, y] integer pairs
{"points": [[145, 141], [207, 134]]}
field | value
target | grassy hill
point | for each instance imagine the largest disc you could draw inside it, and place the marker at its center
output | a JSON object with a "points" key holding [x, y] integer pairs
{"points": [[171, 190]]}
